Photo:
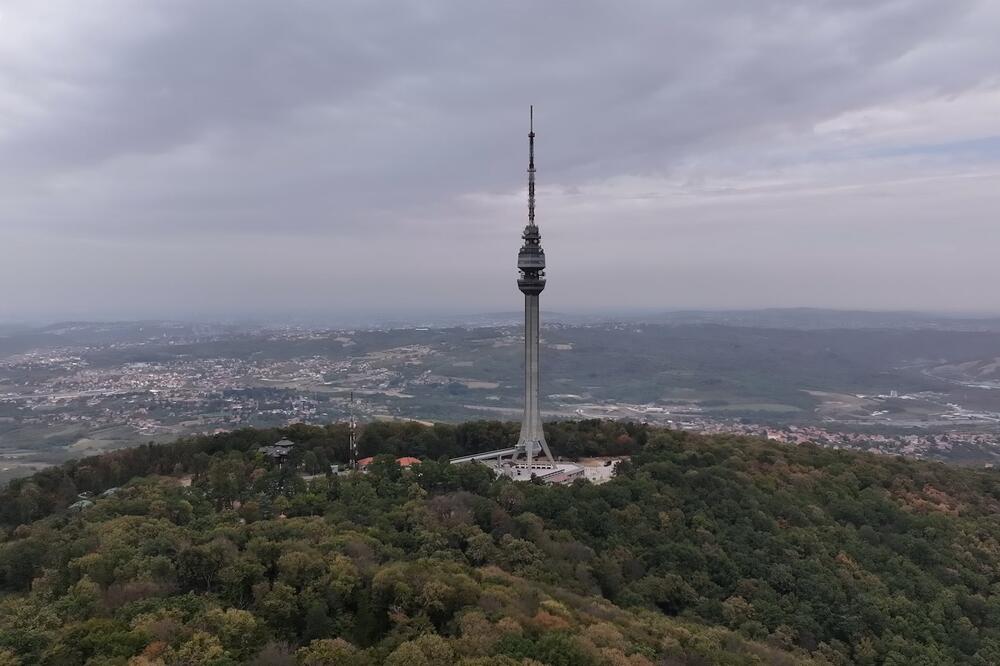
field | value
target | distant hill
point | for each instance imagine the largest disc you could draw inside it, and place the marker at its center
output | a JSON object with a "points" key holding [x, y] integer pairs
{"points": [[985, 371], [703, 550], [819, 319]]}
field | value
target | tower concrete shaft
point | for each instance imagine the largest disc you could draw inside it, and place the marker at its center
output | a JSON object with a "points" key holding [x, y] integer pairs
{"points": [[531, 282]]}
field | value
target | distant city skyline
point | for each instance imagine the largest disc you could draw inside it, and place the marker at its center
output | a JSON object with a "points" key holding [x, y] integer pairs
{"points": [[187, 160]]}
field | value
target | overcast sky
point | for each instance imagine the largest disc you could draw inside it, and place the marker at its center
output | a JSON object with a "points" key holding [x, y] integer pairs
{"points": [[170, 158]]}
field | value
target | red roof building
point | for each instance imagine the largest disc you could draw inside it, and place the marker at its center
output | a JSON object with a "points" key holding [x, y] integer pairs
{"points": [[405, 461]]}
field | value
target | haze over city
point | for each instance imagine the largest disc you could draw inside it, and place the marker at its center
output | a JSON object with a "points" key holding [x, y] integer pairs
{"points": [[168, 159]]}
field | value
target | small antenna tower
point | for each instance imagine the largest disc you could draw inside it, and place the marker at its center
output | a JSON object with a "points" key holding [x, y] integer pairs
{"points": [[353, 453]]}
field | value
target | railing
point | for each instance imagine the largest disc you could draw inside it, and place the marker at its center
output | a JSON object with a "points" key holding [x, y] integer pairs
{"points": [[499, 453]]}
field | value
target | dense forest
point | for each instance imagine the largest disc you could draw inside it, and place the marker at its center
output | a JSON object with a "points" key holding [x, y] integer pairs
{"points": [[702, 550]]}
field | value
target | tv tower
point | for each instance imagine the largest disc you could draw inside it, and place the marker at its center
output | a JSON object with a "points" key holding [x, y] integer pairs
{"points": [[531, 282], [530, 459]]}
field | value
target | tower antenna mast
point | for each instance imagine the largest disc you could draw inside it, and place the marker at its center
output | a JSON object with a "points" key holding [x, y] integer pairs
{"points": [[531, 165]]}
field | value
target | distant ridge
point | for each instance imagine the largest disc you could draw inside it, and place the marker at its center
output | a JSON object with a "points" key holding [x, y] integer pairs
{"points": [[819, 318], [800, 318]]}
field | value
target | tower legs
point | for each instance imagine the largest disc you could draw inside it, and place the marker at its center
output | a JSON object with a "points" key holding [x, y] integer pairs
{"points": [[532, 436]]}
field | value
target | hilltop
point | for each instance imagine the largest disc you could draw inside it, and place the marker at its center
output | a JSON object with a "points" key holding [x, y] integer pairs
{"points": [[703, 550]]}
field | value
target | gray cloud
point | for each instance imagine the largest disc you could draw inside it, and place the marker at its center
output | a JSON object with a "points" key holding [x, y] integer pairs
{"points": [[183, 156]]}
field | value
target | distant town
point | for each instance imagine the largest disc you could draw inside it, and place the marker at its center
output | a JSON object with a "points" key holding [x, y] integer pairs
{"points": [[83, 389]]}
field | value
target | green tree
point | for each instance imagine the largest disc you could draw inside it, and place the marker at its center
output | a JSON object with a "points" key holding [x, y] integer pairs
{"points": [[202, 649], [331, 652]]}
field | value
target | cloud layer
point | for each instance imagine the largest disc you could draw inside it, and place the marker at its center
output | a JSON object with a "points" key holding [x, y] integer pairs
{"points": [[182, 157]]}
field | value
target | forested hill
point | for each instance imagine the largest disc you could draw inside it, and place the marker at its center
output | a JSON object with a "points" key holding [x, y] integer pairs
{"points": [[704, 550]]}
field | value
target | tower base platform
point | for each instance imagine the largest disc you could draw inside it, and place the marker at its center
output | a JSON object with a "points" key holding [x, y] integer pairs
{"points": [[560, 472]]}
